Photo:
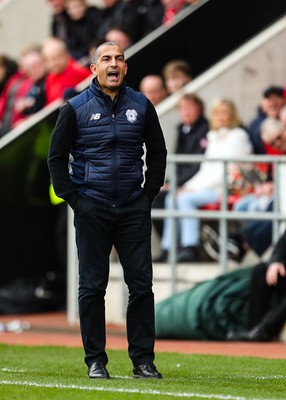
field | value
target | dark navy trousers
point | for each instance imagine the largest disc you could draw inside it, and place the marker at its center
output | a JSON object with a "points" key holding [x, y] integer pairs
{"points": [[128, 228]]}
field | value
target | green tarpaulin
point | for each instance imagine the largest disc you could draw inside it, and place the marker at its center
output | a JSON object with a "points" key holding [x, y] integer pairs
{"points": [[208, 310]]}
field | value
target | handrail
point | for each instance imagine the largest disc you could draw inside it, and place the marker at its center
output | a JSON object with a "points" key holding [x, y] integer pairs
{"points": [[223, 215]]}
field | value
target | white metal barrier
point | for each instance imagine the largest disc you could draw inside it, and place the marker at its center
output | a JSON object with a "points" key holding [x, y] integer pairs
{"points": [[223, 216]]}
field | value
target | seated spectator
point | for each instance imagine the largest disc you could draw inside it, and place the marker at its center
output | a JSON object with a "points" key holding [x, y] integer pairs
{"points": [[226, 140], [272, 131], [7, 68], [255, 234], [35, 99], [191, 139], [271, 104], [63, 71], [176, 74], [153, 87], [17, 87], [266, 316], [277, 139], [71, 91], [120, 35], [59, 19], [259, 200], [82, 30]]}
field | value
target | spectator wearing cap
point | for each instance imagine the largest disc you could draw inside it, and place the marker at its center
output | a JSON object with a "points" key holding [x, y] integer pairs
{"points": [[271, 104]]}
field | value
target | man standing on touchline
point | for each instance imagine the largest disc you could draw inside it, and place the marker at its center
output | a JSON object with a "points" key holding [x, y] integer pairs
{"points": [[104, 129]]}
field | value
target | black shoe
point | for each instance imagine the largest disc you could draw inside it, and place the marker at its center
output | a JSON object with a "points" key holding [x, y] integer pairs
{"points": [[188, 254], [98, 370], [256, 334], [146, 371], [163, 257], [212, 242]]}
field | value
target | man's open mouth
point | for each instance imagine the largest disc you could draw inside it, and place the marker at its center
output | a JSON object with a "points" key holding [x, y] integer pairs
{"points": [[113, 74]]}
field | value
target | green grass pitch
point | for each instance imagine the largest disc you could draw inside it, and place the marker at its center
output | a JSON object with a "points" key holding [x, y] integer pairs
{"points": [[59, 373]]}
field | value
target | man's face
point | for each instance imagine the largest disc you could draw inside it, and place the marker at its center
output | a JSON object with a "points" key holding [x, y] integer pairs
{"points": [[76, 9], [176, 81], [110, 69], [273, 104], [33, 65], [56, 60], [189, 111], [153, 88]]}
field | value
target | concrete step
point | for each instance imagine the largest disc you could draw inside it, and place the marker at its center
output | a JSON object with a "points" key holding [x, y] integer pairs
{"points": [[186, 276]]}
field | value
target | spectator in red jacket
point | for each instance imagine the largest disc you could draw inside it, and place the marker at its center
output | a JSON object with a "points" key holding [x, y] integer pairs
{"points": [[17, 88], [63, 71]]}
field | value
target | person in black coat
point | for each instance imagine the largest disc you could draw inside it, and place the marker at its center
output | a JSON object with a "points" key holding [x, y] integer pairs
{"points": [[267, 298], [191, 139], [82, 29], [132, 14], [59, 19]]}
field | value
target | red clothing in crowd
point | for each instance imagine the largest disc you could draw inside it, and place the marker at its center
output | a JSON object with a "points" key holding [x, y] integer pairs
{"points": [[170, 13], [272, 150], [56, 84], [16, 87]]}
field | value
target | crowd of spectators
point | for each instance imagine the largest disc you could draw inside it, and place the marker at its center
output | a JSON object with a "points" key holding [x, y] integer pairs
{"points": [[226, 138], [267, 132], [50, 70]]}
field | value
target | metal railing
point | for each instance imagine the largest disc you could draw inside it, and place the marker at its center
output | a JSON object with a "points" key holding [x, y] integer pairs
{"points": [[223, 215]]}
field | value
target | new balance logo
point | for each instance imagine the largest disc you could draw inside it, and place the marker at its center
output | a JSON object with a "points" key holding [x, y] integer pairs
{"points": [[94, 116]]}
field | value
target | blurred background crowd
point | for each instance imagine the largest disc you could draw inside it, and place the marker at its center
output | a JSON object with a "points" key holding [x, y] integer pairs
{"points": [[50, 70]]}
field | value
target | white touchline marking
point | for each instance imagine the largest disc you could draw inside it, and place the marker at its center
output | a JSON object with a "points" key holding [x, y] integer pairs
{"points": [[259, 378], [262, 377], [124, 390], [16, 370], [121, 377]]}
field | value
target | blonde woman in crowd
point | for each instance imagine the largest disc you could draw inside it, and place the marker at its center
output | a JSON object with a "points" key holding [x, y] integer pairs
{"points": [[226, 140]]}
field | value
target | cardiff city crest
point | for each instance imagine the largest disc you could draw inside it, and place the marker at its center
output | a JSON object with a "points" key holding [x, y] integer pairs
{"points": [[131, 115]]}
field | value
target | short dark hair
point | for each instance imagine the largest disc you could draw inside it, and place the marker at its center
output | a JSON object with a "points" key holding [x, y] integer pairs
{"points": [[95, 54], [277, 90]]}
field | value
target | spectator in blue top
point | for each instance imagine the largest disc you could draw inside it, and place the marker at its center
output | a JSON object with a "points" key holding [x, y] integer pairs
{"points": [[270, 106]]}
